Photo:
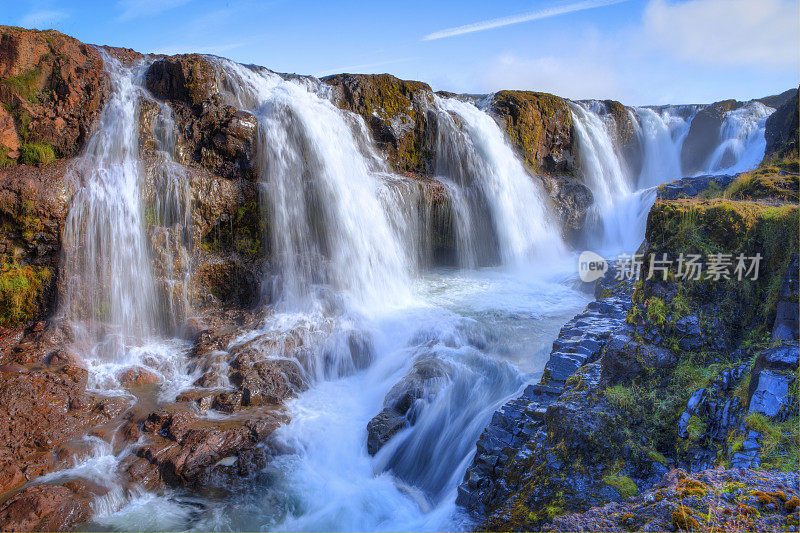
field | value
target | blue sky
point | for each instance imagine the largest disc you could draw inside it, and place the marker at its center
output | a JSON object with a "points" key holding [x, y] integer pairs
{"points": [[636, 51]]}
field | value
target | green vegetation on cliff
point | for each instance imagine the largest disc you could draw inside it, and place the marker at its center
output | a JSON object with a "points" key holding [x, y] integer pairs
{"points": [[20, 293]]}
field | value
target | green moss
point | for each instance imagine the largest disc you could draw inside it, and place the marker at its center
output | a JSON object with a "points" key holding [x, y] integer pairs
{"points": [[696, 428], [20, 293], [620, 396], [657, 457], [624, 485], [769, 180], [779, 441], [24, 84], [243, 234], [703, 227], [36, 154], [657, 311], [5, 161]]}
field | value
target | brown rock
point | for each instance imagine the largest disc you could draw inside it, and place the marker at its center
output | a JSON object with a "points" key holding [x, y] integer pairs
{"points": [[539, 126], [399, 114], [137, 376], [45, 508], [53, 82]]}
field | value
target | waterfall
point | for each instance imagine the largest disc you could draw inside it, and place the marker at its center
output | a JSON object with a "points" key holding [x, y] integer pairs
{"points": [[107, 269], [329, 228], [502, 213], [741, 140], [661, 134], [111, 298], [622, 199]]}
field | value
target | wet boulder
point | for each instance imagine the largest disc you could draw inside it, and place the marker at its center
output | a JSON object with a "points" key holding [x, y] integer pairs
{"points": [[46, 508], [571, 200], [267, 382], [428, 375]]}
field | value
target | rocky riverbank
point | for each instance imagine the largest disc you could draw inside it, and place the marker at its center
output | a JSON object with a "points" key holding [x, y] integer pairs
{"points": [[662, 374]]}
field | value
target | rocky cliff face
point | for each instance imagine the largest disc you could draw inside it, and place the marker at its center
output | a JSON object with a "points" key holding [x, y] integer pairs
{"points": [[703, 135], [781, 128], [53, 87]]}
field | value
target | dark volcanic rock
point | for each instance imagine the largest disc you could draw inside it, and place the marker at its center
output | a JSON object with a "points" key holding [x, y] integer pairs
{"points": [[692, 186], [787, 314], [526, 429], [782, 129], [427, 377]]}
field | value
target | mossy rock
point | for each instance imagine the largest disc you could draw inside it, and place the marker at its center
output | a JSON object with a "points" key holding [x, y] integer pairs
{"points": [[397, 113], [36, 154], [22, 291], [244, 233], [539, 126], [731, 227]]}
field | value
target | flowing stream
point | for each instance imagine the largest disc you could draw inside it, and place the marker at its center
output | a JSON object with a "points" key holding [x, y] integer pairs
{"points": [[348, 262]]}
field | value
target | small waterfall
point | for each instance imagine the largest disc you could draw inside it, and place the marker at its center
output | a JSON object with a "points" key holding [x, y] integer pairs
{"points": [[661, 135], [742, 143], [329, 228], [114, 300], [502, 213], [107, 269]]}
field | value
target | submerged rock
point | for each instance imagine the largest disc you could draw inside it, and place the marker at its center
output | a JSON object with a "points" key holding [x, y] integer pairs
{"points": [[428, 375]]}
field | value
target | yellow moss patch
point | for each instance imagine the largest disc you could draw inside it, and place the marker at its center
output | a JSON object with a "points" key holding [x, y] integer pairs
{"points": [[692, 487], [20, 293], [683, 519], [792, 504]]}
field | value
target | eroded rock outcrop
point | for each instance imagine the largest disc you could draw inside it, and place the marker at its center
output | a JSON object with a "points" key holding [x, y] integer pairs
{"points": [[53, 88], [399, 114]]}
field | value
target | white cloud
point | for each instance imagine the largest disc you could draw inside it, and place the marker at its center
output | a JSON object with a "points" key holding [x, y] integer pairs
{"points": [[518, 19], [43, 19], [132, 9], [574, 77], [725, 32]]}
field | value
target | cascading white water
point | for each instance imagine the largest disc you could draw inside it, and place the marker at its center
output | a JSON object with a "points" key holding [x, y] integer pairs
{"points": [[107, 270], [329, 229], [110, 296], [661, 135], [622, 199], [741, 140], [344, 243], [498, 204]]}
